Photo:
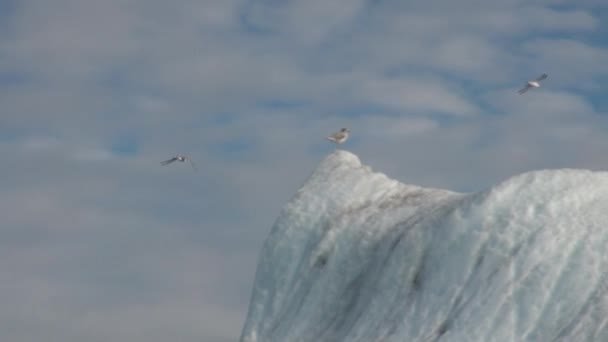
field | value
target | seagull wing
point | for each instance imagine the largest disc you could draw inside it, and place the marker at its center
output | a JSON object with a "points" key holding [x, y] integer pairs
{"points": [[168, 161], [541, 77], [524, 89], [338, 136]]}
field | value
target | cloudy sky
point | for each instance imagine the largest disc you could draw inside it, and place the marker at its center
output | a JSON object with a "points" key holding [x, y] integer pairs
{"points": [[98, 242]]}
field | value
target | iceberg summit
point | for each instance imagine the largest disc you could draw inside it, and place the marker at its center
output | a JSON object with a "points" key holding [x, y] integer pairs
{"points": [[357, 257]]}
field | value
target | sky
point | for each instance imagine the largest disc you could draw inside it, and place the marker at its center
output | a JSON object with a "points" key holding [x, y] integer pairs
{"points": [[98, 242]]}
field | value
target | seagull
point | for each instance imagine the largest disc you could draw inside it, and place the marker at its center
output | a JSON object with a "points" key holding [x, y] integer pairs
{"points": [[532, 84], [179, 158], [339, 137]]}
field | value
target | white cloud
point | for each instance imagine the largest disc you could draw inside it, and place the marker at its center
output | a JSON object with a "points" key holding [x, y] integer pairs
{"points": [[91, 154], [466, 53], [40, 143], [418, 95], [388, 129], [55, 147], [314, 20]]}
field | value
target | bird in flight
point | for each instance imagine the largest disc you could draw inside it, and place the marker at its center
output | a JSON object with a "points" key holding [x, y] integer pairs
{"points": [[339, 137], [179, 158], [532, 84]]}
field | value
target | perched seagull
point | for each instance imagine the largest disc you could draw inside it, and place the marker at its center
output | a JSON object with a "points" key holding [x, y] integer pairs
{"points": [[339, 137], [180, 159], [532, 84]]}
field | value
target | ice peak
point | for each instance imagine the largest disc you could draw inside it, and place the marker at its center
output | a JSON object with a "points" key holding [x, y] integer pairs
{"points": [[342, 157], [341, 182], [338, 163]]}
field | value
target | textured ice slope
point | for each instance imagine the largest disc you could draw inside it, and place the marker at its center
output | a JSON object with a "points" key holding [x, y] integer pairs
{"points": [[356, 256]]}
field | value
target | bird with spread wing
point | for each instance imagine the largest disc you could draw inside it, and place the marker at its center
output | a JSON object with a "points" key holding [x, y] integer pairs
{"points": [[532, 84], [179, 158]]}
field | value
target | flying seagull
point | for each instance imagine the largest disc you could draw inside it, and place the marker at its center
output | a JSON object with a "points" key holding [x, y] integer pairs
{"points": [[179, 158], [339, 137], [532, 84]]}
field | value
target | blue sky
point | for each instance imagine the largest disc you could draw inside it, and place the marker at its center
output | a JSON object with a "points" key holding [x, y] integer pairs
{"points": [[100, 243]]}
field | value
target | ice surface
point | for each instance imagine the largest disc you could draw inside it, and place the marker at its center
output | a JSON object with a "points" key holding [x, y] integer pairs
{"points": [[356, 256]]}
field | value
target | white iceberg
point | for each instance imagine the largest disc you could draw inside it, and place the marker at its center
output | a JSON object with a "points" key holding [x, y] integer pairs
{"points": [[358, 257]]}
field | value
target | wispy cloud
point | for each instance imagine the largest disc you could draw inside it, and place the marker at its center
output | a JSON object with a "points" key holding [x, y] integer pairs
{"points": [[418, 95]]}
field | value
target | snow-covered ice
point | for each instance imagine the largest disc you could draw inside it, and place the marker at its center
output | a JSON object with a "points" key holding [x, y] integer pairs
{"points": [[356, 256]]}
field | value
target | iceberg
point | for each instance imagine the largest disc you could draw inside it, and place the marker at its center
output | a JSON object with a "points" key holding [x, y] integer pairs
{"points": [[356, 256]]}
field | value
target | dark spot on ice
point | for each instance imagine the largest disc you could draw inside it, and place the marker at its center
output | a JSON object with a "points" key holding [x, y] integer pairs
{"points": [[516, 250], [395, 243], [321, 261], [417, 280], [443, 328], [479, 261], [457, 302]]}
